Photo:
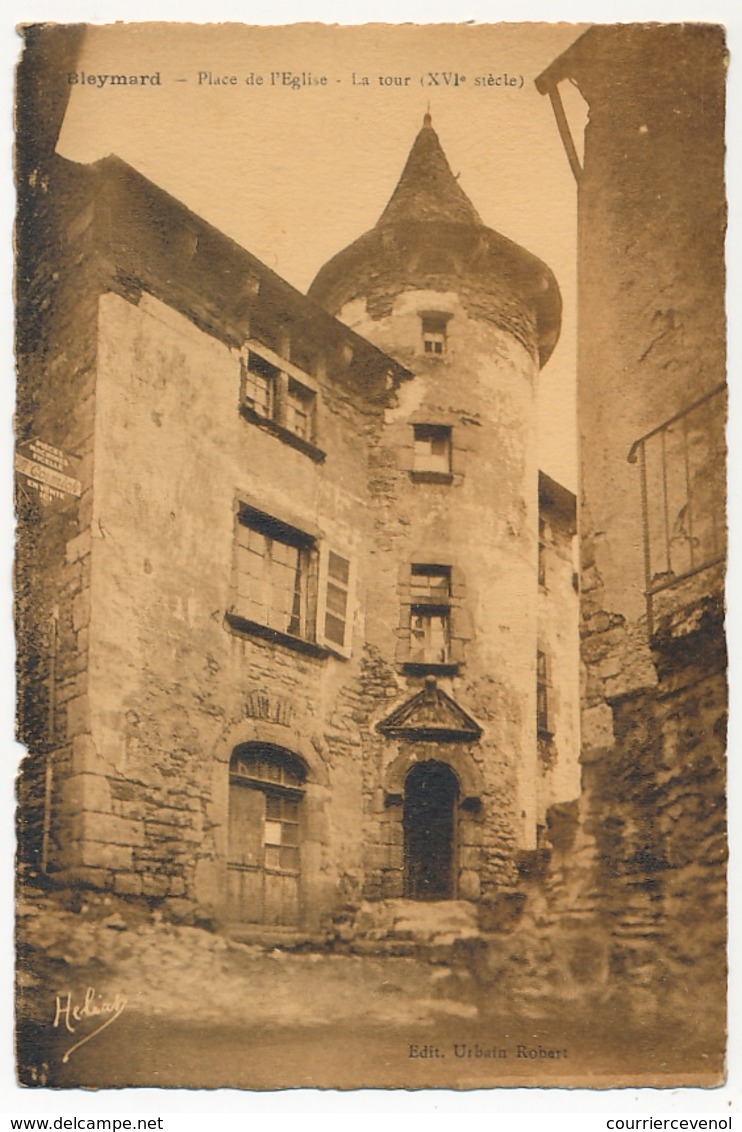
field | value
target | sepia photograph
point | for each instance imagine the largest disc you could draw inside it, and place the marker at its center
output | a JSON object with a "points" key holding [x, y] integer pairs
{"points": [[370, 489]]}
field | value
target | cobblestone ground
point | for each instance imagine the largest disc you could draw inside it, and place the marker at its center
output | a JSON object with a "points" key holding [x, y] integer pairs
{"points": [[112, 995]]}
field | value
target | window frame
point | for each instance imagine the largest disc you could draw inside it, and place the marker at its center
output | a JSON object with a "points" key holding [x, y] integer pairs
{"points": [[434, 432], [544, 729], [461, 629], [277, 531], [297, 392], [315, 563], [276, 419], [434, 332], [429, 607], [271, 380]]}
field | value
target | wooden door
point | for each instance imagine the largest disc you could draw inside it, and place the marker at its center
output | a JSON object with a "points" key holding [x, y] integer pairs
{"points": [[263, 866], [431, 793]]}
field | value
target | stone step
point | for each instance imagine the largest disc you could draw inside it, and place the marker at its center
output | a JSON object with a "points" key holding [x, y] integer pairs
{"points": [[417, 919], [269, 936]]}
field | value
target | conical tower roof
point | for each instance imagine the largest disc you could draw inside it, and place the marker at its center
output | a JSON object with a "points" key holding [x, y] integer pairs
{"points": [[427, 189], [430, 237]]}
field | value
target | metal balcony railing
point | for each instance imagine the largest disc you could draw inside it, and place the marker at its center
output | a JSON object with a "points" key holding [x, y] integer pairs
{"points": [[683, 488]]}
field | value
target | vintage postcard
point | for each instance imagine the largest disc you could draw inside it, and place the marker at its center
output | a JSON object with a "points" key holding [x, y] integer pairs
{"points": [[370, 483]]}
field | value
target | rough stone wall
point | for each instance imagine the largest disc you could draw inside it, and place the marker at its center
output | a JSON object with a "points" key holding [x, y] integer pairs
{"points": [[171, 685], [629, 910], [558, 638], [657, 816], [645, 850]]}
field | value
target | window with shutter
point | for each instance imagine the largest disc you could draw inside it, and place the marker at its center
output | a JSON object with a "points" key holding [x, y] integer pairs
{"points": [[289, 586], [275, 578]]}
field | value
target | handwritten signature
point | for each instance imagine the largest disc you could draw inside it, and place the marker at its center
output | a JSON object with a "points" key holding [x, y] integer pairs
{"points": [[68, 1014]]}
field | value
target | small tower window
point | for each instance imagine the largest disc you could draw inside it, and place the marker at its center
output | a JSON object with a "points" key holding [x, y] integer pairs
{"points": [[430, 614], [434, 333], [432, 449]]}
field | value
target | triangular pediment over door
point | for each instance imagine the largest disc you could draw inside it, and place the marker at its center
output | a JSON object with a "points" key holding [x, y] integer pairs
{"points": [[430, 714]]}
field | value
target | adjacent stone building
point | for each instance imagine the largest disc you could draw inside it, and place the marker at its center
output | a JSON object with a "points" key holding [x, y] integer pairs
{"points": [[642, 871], [296, 612]]}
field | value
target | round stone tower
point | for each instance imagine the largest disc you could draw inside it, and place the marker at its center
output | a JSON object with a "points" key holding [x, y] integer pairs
{"points": [[451, 582]]}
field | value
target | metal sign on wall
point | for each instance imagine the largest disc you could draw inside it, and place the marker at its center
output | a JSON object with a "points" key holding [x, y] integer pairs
{"points": [[44, 469]]}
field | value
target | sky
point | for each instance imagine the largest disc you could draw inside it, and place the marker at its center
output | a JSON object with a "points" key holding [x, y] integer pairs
{"points": [[294, 174]]}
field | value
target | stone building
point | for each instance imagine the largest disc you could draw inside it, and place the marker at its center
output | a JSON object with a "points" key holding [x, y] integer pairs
{"points": [[644, 867], [296, 610]]}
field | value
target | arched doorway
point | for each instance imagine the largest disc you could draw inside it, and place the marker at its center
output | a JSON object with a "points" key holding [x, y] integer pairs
{"points": [[430, 808], [266, 789]]}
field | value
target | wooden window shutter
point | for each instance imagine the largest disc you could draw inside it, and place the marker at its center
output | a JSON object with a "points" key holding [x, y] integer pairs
{"points": [[335, 612]]}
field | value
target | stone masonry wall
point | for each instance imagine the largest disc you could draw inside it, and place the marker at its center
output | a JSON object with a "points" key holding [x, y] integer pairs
{"points": [[56, 360], [483, 523], [171, 683], [558, 639], [638, 865]]}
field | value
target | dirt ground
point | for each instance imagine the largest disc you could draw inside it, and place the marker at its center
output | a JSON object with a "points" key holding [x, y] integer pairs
{"points": [[112, 995]]}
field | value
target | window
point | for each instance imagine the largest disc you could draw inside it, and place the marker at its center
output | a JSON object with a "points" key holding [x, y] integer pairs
{"points": [[290, 587], [430, 614], [432, 450], [281, 833], [259, 385], [279, 400], [434, 333], [300, 410], [271, 767], [541, 552], [542, 695], [435, 624], [274, 566]]}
